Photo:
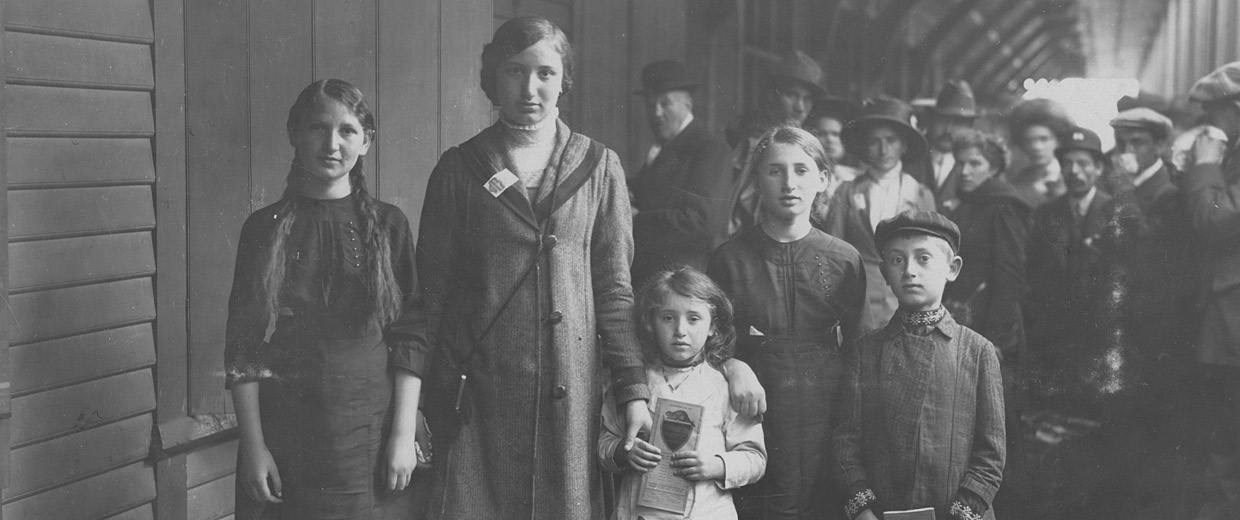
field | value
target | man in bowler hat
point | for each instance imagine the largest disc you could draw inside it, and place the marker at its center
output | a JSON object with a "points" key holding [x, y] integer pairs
{"points": [[954, 110], [681, 191]]}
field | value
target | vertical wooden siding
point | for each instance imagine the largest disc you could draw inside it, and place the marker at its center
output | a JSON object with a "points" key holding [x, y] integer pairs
{"points": [[79, 120]]}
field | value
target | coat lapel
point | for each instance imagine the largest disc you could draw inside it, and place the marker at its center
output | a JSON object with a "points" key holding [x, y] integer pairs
{"points": [[568, 155], [485, 158]]}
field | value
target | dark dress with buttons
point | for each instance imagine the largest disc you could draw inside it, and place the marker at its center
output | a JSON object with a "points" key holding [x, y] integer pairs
{"points": [[326, 367], [793, 303]]}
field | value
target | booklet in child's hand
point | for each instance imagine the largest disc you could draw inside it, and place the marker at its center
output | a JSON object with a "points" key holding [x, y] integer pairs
{"points": [[677, 426], [925, 513]]}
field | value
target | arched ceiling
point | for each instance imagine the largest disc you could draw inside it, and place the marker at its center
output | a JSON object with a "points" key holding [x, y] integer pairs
{"points": [[996, 44]]}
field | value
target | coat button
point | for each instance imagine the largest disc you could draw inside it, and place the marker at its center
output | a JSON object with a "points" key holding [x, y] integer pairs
{"points": [[559, 392], [555, 317]]}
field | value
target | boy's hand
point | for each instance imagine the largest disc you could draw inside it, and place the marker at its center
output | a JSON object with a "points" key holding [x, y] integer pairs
{"points": [[747, 395], [260, 479], [400, 459], [867, 515], [637, 419], [694, 466], [643, 456]]}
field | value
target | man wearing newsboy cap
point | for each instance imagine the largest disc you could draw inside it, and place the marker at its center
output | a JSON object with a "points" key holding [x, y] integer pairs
{"points": [[1212, 193], [681, 192]]}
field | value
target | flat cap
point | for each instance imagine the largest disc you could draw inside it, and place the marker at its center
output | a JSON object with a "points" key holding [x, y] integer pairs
{"points": [[1222, 83], [923, 222], [1080, 138], [1143, 118]]}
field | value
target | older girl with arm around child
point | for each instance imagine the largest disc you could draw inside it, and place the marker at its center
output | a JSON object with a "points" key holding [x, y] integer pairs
{"points": [[799, 293], [685, 322], [922, 421], [323, 353]]}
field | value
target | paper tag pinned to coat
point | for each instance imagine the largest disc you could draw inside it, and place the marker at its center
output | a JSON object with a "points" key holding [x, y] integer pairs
{"points": [[859, 201], [500, 182]]}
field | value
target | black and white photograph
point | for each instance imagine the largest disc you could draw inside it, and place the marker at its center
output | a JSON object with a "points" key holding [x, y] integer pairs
{"points": [[620, 260]]}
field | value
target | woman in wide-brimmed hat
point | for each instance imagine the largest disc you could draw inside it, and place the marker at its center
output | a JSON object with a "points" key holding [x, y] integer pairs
{"points": [[884, 138]]}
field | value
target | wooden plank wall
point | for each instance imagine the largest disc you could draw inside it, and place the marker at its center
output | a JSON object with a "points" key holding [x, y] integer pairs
{"points": [[79, 120], [246, 63]]}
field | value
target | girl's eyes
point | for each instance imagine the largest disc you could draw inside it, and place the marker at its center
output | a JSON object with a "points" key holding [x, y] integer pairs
{"points": [[546, 73], [897, 260]]}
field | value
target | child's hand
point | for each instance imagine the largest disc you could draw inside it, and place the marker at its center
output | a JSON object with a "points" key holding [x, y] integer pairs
{"points": [[400, 459], [644, 456], [260, 479], [694, 466]]}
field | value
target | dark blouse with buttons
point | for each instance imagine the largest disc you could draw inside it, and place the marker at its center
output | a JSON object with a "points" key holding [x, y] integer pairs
{"points": [[325, 287], [789, 288]]}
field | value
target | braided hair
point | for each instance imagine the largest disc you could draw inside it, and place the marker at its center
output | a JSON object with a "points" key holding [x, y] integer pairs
{"points": [[380, 280]]}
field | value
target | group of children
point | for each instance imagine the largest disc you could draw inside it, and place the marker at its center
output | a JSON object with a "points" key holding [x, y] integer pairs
{"points": [[905, 417]]}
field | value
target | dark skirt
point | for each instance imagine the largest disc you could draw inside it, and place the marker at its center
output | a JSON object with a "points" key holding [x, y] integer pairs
{"points": [[325, 421], [801, 374]]}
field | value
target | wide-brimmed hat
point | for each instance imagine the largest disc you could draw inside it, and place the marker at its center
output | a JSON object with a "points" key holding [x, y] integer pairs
{"points": [[1040, 111], [799, 68], [664, 75], [956, 99], [1222, 83], [1080, 138], [894, 113]]}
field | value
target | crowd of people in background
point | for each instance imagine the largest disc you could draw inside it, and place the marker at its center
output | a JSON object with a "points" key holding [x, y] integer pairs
{"points": [[876, 309]]}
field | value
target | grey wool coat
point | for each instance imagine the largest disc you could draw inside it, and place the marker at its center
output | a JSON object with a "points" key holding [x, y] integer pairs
{"points": [[521, 444]]}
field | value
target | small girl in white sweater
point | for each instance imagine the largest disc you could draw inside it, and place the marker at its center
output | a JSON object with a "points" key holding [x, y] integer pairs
{"points": [[685, 322]]}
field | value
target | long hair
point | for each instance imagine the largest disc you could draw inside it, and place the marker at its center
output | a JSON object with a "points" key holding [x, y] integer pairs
{"points": [[799, 137], [515, 36], [689, 283], [384, 292]]}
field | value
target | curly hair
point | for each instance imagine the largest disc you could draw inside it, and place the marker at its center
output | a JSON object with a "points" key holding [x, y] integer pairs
{"points": [[991, 146], [515, 36], [799, 137], [689, 283]]}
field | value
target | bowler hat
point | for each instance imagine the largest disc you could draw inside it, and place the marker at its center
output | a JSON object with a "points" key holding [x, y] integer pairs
{"points": [[1222, 83], [956, 99], [838, 108], [1080, 138], [894, 113], [1143, 119], [799, 68], [664, 75], [924, 222]]}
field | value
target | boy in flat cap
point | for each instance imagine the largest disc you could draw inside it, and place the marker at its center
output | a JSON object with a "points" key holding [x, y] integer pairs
{"points": [[922, 407]]}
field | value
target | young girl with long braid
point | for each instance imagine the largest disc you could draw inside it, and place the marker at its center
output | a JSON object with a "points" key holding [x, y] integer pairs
{"points": [[322, 355]]}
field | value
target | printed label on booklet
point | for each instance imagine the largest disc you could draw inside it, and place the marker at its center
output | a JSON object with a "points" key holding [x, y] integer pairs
{"points": [[677, 426]]}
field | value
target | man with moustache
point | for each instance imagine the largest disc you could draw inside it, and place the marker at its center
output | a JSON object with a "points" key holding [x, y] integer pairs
{"points": [[681, 192], [954, 110]]}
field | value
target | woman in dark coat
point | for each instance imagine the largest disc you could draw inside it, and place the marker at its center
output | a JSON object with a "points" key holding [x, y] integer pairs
{"points": [[994, 222], [524, 253]]}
